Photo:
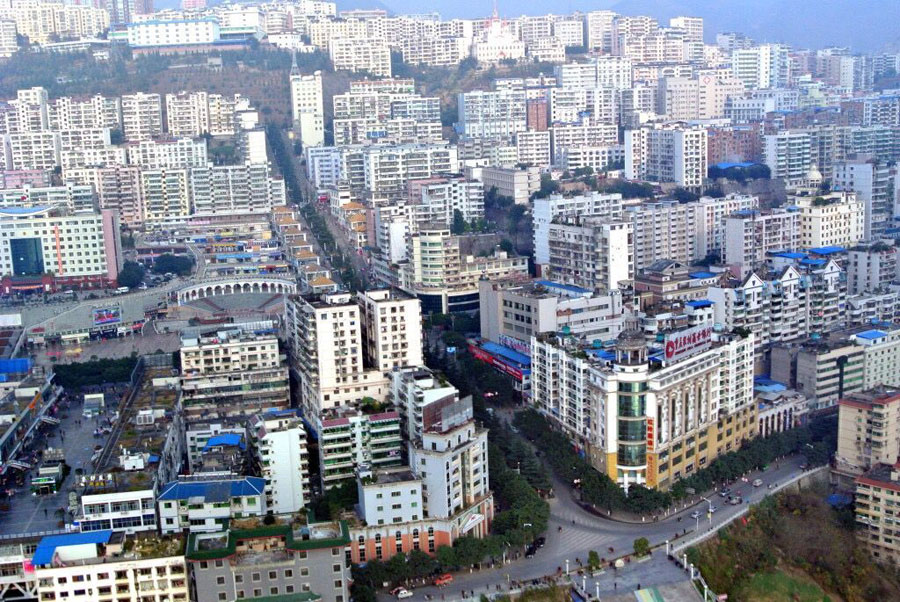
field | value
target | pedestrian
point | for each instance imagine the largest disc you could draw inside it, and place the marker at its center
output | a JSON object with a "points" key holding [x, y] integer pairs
{"points": [[615, 586]]}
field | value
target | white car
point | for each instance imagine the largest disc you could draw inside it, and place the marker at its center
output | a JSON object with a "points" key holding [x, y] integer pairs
{"points": [[402, 592], [695, 514]]}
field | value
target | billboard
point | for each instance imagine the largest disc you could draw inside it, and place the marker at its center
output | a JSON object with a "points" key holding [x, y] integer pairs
{"points": [[515, 344], [107, 315], [681, 344], [480, 354]]}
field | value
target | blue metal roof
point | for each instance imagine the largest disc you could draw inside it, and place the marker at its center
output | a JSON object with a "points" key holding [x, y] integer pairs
{"points": [[702, 275], [24, 210], [871, 335], [726, 165], [565, 287], [789, 254], [226, 439], [827, 250], [699, 303], [507, 353], [808, 261], [766, 384], [212, 491], [43, 554]]}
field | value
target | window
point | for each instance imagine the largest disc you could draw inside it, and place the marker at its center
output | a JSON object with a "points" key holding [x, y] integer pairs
{"points": [[288, 573], [273, 575], [238, 578], [273, 591], [304, 572], [254, 577], [338, 584], [220, 580], [223, 596]]}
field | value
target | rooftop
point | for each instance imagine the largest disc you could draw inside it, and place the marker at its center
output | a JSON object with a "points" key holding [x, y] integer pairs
{"points": [[212, 490], [867, 400], [388, 476], [313, 536]]}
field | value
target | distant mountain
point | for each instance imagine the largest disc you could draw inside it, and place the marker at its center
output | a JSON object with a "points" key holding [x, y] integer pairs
{"points": [[864, 25]]}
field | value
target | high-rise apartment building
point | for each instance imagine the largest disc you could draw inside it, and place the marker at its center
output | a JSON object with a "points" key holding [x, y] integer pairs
{"points": [[307, 108], [667, 153]]}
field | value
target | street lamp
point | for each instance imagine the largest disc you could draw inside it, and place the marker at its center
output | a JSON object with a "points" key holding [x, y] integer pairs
{"points": [[567, 567]]}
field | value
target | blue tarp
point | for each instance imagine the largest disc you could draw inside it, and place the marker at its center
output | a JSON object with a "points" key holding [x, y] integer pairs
{"points": [[19, 365], [839, 499], [227, 439], [43, 554], [702, 275], [699, 303]]}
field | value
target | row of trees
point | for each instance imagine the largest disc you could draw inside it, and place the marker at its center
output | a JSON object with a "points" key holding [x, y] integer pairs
{"points": [[522, 516], [817, 441], [740, 173], [95, 372], [285, 162]]}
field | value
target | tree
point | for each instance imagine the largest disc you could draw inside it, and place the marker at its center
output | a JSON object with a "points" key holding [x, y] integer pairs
{"points": [[397, 567], [548, 187], [420, 564], [683, 195], [506, 246], [641, 546], [453, 339], [176, 264], [446, 557], [459, 225], [593, 560], [131, 275]]}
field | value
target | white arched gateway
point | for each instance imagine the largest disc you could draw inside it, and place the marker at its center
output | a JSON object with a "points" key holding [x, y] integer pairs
{"points": [[234, 286]]}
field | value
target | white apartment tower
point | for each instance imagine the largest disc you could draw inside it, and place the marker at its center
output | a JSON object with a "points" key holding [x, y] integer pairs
{"points": [[279, 447], [674, 152], [141, 116], [308, 108], [393, 329]]}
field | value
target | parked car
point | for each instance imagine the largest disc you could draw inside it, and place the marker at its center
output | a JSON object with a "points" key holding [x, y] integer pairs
{"points": [[401, 593], [712, 509], [539, 542], [442, 580], [695, 514], [735, 500], [725, 492], [531, 551], [757, 482]]}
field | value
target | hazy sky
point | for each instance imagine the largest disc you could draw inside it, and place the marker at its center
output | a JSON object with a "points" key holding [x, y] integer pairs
{"points": [[865, 25]]}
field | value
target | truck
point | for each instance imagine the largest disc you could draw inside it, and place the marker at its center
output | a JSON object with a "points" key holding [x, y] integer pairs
{"points": [[122, 290]]}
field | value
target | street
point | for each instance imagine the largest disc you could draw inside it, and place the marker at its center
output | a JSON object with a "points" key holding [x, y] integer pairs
{"points": [[573, 532]]}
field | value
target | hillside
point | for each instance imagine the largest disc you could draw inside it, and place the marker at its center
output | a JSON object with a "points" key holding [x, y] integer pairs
{"points": [[794, 547]]}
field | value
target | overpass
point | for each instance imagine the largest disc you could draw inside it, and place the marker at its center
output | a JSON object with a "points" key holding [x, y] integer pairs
{"points": [[233, 286]]}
